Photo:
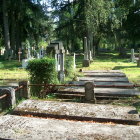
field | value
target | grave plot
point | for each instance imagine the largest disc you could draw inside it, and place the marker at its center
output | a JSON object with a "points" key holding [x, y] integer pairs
{"points": [[78, 111], [104, 79], [101, 74], [104, 84], [107, 84], [101, 71], [18, 127], [100, 91]]}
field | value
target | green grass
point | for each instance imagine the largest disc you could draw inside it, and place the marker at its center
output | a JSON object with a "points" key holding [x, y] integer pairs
{"points": [[111, 61], [12, 70]]}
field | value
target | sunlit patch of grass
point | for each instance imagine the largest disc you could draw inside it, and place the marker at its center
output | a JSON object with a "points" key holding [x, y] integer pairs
{"points": [[111, 61], [12, 70]]}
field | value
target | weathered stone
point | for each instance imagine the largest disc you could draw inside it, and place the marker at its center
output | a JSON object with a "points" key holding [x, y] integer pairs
{"points": [[24, 91], [103, 91], [104, 79], [109, 74], [102, 83], [89, 92], [78, 109], [103, 71], [86, 63], [17, 127], [10, 100], [138, 61], [132, 55]]}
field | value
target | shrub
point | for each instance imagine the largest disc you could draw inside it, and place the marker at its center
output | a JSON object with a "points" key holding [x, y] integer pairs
{"points": [[42, 71]]}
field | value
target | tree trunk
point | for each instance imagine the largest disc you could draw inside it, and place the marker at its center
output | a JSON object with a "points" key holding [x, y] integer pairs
{"points": [[6, 30], [13, 37]]}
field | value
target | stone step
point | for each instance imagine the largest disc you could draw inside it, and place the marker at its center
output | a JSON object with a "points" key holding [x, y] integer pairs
{"points": [[80, 110], [104, 79], [29, 128], [101, 71], [102, 91], [109, 74]]}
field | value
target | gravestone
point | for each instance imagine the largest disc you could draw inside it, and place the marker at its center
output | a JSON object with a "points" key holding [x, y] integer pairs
{"points": [[25, 61], [86, 61], [74, 61], [56, 49], [138, 61], [132, 55], [89, 92]]}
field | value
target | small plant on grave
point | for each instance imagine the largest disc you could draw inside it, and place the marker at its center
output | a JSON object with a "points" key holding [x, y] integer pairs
{"points": [[42, 71], [69, 67]]}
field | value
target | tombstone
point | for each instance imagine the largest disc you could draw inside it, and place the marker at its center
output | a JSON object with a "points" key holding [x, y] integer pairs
{"points": [[74, 61], [86, 61], [25, 61], [29, 54], [19, 54], [132, 55], [89, 92], [24, 91], [56, 50], [138, 61], [67, 52]]}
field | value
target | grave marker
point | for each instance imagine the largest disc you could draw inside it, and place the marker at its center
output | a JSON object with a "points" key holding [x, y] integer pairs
{"points": [[19, 54], [56, 49], [86, 61], [132, 55], [138, 61]]}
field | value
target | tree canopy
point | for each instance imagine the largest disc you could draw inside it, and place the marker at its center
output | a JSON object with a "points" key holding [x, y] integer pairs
{"points": [[114, 23]]}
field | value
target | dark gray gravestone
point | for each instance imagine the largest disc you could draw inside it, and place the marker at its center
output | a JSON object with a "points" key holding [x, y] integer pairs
{"points": [[89, 92]]}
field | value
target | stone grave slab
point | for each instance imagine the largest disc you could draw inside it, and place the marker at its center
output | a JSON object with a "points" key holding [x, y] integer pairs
{"points": [[107, 74], [27, 128], [104, 79], [102, 71], [102, 83], [103, 91], [77, 110]]}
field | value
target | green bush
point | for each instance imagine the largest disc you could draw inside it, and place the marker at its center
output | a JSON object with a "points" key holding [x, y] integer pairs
{"points": [[42, 71]]}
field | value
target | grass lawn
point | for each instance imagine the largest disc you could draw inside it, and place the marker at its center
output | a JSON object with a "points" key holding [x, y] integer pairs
{"points": [[12, 70], [111, 61]]}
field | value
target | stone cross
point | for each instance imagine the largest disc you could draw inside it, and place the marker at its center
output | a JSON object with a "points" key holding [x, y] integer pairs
{"points": [[19, 54]]}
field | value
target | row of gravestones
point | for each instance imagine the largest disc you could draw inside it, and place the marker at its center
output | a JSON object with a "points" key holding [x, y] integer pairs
{"points": [[57, 51], [134, 58]]}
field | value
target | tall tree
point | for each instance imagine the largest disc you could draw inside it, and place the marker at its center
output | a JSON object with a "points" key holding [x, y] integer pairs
{"points": [[6, 29]]}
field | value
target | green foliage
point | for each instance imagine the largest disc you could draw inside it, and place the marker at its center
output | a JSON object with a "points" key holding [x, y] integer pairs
{"points": [[69, 66], [42, 71]]}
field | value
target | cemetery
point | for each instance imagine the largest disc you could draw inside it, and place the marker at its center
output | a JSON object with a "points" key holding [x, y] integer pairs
{"points": [[70, 70], [91, 89]]}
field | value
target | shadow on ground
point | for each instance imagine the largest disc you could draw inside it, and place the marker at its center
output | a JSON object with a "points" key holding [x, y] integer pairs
{"points": [[123, 67]]}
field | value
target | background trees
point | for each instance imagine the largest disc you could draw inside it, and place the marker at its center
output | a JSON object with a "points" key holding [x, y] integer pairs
{"points": [[112, 24], [23, 20]]}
